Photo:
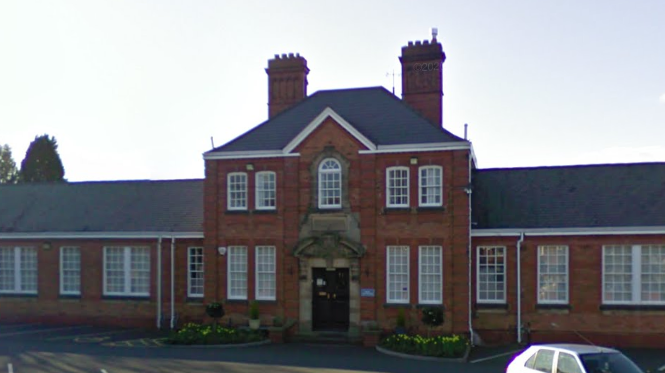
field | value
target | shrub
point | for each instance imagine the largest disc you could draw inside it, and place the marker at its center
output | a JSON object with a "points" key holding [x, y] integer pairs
{"points": [[453, 346], [254, 310], [197, 334], [215, 310]]}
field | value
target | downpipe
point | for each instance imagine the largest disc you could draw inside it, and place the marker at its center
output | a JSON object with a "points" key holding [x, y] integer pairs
{"points": [[172, 282]]}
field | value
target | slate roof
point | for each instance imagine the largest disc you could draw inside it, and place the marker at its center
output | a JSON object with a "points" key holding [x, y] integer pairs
{"points": [[114, 206], [376, 113], [616, 195]]}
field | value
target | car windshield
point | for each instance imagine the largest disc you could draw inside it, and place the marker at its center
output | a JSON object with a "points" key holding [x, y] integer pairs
{"points": [[608, 363]]}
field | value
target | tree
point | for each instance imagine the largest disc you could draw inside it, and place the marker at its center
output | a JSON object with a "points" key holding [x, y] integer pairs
{"points": [[8, 171], [42, 162]]}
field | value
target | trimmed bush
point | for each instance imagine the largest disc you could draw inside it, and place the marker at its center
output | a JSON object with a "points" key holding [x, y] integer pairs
{"points": [[453, 346], [197, 334]]}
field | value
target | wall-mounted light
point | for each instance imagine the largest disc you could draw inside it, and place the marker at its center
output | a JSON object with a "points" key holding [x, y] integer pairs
{"points": [[250, 167], [46, 245], [221, 250], [414, 160]]}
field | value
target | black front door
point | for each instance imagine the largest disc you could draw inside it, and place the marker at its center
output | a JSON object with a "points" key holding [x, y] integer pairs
{"points": [[330, 300]]}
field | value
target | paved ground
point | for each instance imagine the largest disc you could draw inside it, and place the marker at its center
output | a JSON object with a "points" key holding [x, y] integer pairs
{"points": [[41, 349]]}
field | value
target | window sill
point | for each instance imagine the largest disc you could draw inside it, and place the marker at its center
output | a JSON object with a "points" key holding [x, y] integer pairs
{"points": [[396, 305], [70, 296], [427, 305], [553, 308], [492, 306], [236, 301], [431, 209], [141, 298], [330, 210], [632, 307], [266, 212], [18, 295], [236, 212]]}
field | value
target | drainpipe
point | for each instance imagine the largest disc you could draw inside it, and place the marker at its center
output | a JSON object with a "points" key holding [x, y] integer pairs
{"points": [[172, 282], [159, 282], [468, 191], [519, 289]]}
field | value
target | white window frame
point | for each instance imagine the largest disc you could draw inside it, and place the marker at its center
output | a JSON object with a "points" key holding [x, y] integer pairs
{"points": [[257, 288], [260, 200], [437, 188], [229, 271], [127, 271], [566, 274], [64, 271], [195, 251], [389, 191], [421, 275], [389, 283], [635, 276], [504, 256], [324, 173], [18, 270], [230, 191]]}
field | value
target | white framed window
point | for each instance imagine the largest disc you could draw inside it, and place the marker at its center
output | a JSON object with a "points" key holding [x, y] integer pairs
{"points": [[195, 279], [266, 288], [397, 187], [236, 187], [430, 189], [397, 269], [330, 184], [18, 270], [237, 272], [491, 274], [430, 275], [634, 274], [70, 270], [265, 190], [553, 274], [127, 271]]}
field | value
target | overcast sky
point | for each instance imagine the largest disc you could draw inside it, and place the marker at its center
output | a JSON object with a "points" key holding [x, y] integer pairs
{"points": [[136, 89]]}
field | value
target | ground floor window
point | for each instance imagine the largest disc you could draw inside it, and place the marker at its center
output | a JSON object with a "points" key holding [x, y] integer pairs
{"points": [[634, 274], [491, 274], [195, 272], [266, 288], [430, 274], [398, 274], [70, 271], [553, 274], [237, 272], [127, 271], [18, 270]]}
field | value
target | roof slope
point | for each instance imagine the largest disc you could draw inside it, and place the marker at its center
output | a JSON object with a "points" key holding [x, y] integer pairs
{"points": [[115, 206], [618, 195], [376, 113]]}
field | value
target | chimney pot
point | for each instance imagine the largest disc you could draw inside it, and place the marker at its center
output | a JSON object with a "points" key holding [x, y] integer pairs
{"points": [[426, 42], [277, 56], [417, 42], [283, 55], [297, 54], [290, 55], [410, 44]]}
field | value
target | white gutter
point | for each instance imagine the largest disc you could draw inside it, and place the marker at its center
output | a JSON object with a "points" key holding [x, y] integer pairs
{"points": [[519, 290], [159, 283], [172, 282], [97, 235], [599, 231], [469, 191]]}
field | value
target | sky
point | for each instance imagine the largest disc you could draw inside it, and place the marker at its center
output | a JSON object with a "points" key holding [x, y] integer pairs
{"points": [[141, 89]]}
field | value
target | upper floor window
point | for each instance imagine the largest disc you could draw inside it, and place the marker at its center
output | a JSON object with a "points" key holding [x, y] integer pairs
{"points": [[18, 270], [397, 187], [265, 190], [553, 274], [429, 193], [330, 184], [237, 191]]}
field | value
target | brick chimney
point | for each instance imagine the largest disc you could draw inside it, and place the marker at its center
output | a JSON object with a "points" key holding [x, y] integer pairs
{"points": [[421, 77], [287, 82]]}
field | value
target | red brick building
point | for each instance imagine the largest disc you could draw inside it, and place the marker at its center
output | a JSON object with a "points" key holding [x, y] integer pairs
{"points": [[345, 207]]}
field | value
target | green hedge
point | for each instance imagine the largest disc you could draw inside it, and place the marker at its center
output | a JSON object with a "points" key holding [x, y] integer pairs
{"points": [[453, 346], [197, 334]]}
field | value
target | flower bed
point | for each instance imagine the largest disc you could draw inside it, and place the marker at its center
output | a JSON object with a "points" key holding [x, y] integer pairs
{"points": [[197, 334], [439, 346]]}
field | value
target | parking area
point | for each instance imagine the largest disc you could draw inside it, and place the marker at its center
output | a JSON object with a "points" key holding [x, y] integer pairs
{"points": [[82, 334]]}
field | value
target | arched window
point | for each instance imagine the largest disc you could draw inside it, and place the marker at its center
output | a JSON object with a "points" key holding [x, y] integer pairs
{"points": [[330, 184]]}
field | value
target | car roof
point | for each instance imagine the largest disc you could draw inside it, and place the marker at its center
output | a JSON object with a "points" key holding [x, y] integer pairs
{"points": [[579, 349]]}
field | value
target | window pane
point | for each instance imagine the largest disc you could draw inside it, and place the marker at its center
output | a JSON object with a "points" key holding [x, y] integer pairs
{"points": [[265, 190], [398, 274], [237, 191], [617, 274], [652, 278], [430, 186], [7, 275], [237, 272], [196, 281], [491, 274], [553, 274], [430, 274], [140, 270], [265, 273], [70, 267], [397, 188], [115, 269]]}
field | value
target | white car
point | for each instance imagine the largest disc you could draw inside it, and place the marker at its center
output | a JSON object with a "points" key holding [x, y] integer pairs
{"points": [[571, 358]]}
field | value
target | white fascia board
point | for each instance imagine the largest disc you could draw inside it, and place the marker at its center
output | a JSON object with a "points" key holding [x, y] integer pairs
{"points": [[97, 235], [314, 124], [248, 154], [412, 148], [600, 231]]}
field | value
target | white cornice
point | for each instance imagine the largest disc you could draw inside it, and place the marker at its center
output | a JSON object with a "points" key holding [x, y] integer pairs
{"points": [[411, 148], [591, 231], [97, 235], [328, 112]]}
